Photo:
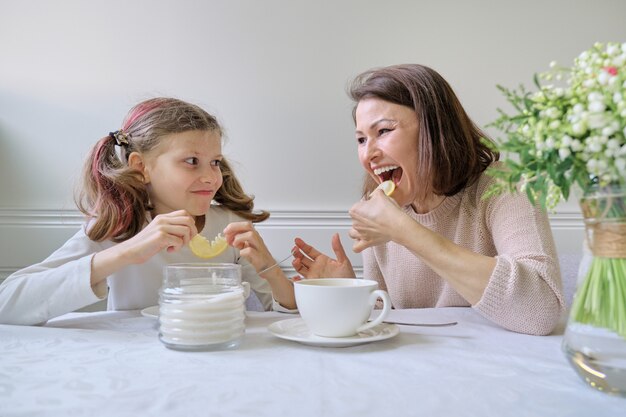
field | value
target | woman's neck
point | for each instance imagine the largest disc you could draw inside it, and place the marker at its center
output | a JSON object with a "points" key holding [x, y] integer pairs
{"points": [[431, 203]]}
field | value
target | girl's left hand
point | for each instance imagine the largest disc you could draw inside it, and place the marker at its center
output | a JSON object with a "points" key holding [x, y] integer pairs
{"points": [[243, 236], [373, 221]]}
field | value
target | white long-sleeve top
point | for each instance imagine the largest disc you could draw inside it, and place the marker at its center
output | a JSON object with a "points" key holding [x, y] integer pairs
{"points": [[62, 282]]}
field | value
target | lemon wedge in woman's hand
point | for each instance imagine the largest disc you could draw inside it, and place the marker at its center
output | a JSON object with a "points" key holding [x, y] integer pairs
{"points": [[202, 248], [387, 187]]}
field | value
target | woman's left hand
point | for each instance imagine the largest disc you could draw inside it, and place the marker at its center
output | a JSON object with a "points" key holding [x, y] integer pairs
{"points": [[243, 236], [373, 221]]}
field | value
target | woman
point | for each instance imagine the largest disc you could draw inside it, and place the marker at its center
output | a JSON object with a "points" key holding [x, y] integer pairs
{"points": [[436, 242]]}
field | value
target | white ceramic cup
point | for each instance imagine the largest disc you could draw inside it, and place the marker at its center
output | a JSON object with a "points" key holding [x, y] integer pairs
{"points": [[339, 307]]}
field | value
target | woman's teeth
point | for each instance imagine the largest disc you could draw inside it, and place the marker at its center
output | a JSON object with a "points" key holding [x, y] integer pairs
{"points": [[379, 171]]}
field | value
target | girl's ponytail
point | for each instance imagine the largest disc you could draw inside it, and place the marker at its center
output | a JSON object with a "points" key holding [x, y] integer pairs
{"points": [[113, 195]]}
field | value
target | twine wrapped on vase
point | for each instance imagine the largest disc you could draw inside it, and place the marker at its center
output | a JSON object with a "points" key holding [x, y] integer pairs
{"points": [[601, 299]]}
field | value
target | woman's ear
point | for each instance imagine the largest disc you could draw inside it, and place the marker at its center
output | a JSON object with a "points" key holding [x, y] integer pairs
{"points": [[136, 161]]}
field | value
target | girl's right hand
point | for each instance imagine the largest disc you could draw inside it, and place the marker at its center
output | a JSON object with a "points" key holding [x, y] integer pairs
{"points": [[169, 231], [311, 263]]}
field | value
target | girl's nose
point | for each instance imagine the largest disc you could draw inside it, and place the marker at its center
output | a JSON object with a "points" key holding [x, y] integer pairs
{"points": [[209, 176]]}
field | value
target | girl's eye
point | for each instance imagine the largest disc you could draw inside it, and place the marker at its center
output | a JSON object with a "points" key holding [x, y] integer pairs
{"points": [[216, 163], [360, 140], [383, 131], [192, 161]]}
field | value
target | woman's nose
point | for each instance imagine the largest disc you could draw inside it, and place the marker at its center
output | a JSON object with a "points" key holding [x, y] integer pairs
{"points": [[371, 150]]}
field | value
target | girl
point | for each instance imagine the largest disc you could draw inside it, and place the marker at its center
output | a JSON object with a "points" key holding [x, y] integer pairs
{"points": [[148, 189], [436, 242]]}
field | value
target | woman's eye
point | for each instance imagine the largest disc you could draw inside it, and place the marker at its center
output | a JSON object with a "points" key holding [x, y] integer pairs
{"points": [[383, 131], [192, 161], [216, 163], [360, 141]]}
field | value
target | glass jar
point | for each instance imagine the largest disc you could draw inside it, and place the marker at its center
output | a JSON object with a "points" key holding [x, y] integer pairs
{"points": [[202, 306], [595, 337]]}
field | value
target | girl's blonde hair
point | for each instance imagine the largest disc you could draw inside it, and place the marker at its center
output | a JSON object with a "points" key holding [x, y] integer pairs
{"points": [[115, 195]]}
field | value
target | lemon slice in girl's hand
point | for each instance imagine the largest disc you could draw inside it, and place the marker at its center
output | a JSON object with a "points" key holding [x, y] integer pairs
{"points": [[202, 248], [387, 186]]}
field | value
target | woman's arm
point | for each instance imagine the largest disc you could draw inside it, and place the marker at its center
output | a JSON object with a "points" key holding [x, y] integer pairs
{"points": [[379, 220]]}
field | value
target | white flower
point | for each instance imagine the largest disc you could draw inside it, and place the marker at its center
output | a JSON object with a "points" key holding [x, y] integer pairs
{"points": [[579, 128], [566, 140], [564, 153], [578, 108], [597, 120], [576, 145], [552, 113], [594, 146], [596, 106], [603, 78], [617, 98], [589, 83], [610, 129]]}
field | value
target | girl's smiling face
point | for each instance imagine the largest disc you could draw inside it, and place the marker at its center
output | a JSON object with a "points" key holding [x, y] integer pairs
{"points": [[387, 136], [184, 172]]}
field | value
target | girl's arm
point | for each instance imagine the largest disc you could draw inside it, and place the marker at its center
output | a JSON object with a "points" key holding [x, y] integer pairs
{"points": [[56, 286], [169, 232], [243, 236]]}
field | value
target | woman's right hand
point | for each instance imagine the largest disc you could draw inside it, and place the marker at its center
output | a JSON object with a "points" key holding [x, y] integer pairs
{"points": [[311, 263]]}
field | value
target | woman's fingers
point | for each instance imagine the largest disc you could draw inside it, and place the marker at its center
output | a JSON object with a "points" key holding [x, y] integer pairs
{"points": [[340, 253], [308, 250]]}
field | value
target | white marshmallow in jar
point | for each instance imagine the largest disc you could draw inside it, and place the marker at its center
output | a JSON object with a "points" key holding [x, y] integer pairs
{"points": [[202, 306]]}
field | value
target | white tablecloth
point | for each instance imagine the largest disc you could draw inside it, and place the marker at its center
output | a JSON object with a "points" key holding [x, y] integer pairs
{"points": [[112, 364]]}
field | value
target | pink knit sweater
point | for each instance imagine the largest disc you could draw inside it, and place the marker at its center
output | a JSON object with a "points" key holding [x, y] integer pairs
{"points": [[524, 292]]}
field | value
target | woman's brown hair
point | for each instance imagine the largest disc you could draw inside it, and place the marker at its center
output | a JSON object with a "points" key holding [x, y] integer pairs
{"points": [[115, 195], [450, 148]]}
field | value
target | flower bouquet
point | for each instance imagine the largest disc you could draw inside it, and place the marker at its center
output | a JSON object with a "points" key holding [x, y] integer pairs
{"points": [[571, 133]]}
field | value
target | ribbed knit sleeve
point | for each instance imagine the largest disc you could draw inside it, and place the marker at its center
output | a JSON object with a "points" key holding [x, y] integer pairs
{"points": [[524, 291]]}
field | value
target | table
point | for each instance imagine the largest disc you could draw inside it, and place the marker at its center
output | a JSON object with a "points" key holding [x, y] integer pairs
{"points": [[112, 364]]}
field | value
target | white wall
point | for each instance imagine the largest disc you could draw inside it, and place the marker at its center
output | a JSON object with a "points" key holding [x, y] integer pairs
{"points": [[274, 72]]}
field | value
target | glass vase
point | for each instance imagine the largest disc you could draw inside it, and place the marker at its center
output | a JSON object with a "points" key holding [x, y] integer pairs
{"points": [[595, 336]]}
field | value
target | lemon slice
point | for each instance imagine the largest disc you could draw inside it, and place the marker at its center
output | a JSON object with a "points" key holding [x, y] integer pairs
{"points": [[387, 186], [202, 248]]}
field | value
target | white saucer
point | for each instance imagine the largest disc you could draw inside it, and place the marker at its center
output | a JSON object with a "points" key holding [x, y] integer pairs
{"points": [[297, 331], [152, 311]]}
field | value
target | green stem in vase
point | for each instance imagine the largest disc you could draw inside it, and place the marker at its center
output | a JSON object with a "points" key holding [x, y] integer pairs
{"points": [[601, 299]]}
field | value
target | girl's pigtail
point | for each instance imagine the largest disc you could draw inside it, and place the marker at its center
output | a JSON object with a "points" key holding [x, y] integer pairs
{"points": [[232, 196], [113, 195]]}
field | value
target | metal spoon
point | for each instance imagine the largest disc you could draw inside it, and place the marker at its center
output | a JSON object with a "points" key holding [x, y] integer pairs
{"points": [[274, 265], [452, 323]]}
